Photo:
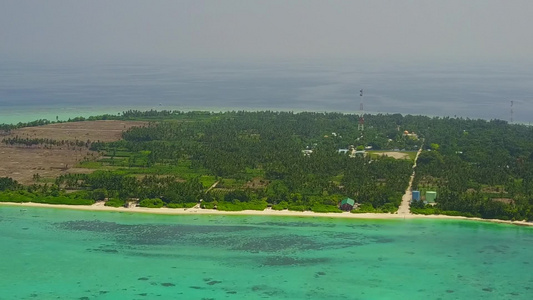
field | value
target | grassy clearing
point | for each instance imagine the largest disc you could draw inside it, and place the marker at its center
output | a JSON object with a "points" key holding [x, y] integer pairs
{"points": [[231, 183], [121, 166], [337, 179], [45, 180], [411, 155], [90, 165], [255, 172], [207, 180]]}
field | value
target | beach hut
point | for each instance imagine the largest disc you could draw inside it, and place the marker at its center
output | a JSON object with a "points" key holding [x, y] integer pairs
{"points": [[347, 204], [431, 196], [416, 196]]}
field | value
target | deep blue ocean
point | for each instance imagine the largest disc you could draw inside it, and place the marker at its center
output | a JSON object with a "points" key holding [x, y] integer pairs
{"points": [[45, 89]]}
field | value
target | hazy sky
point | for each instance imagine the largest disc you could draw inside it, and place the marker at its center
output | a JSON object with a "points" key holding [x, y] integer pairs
{"points": [[483, 30]]}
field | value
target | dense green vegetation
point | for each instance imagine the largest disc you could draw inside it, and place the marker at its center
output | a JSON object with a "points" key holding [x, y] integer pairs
{"points": [[252, 160], [478, 168], [9, 127], [257, 159], [11, 191]]}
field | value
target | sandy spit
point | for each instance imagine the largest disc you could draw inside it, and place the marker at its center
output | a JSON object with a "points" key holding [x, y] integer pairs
{"points": [[266, 212]]}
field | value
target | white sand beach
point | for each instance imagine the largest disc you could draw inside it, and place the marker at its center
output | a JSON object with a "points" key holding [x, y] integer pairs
{"points": [[267, 212]]}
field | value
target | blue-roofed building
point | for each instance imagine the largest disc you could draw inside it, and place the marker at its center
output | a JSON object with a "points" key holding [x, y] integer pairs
{"points": [[416, 196]]}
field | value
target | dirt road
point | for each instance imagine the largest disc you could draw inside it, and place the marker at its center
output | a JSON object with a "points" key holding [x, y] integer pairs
{"points": [[406, 198]]}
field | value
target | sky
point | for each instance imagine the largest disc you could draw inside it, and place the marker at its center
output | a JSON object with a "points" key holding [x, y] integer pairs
{"points": [[407, 31]]}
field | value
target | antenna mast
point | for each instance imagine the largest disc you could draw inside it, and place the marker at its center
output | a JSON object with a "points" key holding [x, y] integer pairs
{"points": [[512, 112], [361, 125]]}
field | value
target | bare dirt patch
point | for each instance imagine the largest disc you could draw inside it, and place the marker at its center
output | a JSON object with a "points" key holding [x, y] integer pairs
{"points": [[397, 155], [493, 190], [504, 200], [105, 131], [257, 183], [21, 162]]}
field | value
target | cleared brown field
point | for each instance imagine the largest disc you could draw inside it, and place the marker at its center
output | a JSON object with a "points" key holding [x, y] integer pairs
{"points": [[21, 163], [393, 154], [105, 131]]}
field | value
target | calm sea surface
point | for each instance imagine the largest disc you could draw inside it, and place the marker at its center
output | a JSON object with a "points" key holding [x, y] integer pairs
{"points": [[45, 90], [52, 253]]}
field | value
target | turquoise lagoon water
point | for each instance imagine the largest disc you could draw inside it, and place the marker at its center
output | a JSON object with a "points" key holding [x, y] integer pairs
{"points": [[49, 253]]}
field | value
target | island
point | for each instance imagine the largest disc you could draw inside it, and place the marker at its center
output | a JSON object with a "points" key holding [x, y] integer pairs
{"points": [[307, 163]]}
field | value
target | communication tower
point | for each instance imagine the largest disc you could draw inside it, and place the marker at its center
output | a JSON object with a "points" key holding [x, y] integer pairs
{"points": [[361, 125], [512, 112]]}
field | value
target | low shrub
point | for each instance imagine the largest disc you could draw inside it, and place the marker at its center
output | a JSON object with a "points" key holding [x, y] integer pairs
{"points": [[322, 208], [181, 205], [281, 206], [365, 208], [298, 207], [238, 206], [152, 203], [16, 196], [115, 203], [25, 196], [63, 200], [208, 205]]}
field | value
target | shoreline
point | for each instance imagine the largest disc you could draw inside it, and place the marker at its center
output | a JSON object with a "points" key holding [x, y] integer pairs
{"points": [[267, 212]]}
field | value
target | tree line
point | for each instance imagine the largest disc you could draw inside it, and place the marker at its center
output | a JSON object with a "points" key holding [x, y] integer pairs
{"points": [[479, 168]]}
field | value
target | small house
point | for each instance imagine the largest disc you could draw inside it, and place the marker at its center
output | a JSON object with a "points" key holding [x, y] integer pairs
{"points": [[347, 204], [416, 195], [431, 196]]}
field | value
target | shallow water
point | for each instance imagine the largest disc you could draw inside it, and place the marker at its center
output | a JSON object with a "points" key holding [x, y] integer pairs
{"points": [[66, 254]]}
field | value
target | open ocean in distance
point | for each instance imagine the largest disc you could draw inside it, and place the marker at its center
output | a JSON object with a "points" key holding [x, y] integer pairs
{"points": [[30, 91]]}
